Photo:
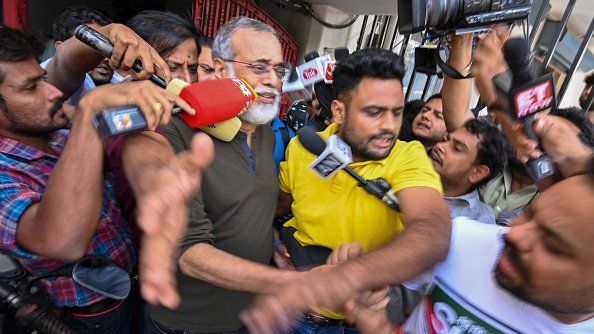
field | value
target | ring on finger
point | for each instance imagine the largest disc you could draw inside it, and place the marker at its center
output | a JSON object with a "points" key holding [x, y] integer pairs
{"points": [[157, 107]]}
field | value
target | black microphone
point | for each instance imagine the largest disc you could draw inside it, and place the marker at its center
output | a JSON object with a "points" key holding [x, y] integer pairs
{"points": [[330, 160], [322, 89], [527, 96], [341, 54], [101, 44]]}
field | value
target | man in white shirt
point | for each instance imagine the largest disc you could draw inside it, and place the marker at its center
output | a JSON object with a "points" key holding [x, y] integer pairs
{"points": [[535, 277]]}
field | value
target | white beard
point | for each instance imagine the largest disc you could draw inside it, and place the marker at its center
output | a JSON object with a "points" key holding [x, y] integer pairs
{"points": [[260, 113]]}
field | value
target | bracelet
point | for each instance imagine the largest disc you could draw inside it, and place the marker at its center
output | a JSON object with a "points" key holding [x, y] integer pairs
{"points": [[469, 66]]}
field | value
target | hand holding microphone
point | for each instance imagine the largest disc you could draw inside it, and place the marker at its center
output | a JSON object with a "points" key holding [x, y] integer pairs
{"points": [[217, 102], [151, 103], [523, 96], [128, 51]]}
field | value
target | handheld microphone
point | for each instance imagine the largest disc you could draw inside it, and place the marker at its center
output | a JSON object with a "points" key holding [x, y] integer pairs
{"points": [[101, 44], [526, 96], [294, 89], [313, 71], [224, 130], [336, 155], [214, 101]]}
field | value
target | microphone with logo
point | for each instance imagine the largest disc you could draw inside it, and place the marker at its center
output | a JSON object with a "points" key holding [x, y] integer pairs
{"points": [[214, 100], [335, 155], [224, 126], [524, 96], [316, 72]]}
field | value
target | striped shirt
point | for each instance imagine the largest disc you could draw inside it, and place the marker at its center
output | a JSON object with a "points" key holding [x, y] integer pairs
{"points": [[24, 173]]}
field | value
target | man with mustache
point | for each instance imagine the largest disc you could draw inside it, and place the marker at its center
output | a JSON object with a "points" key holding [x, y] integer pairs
{"points": [[226, 252], [367, 113], [466, 159], [57, 201], [429, 126], [63, 28], [535, 277]]}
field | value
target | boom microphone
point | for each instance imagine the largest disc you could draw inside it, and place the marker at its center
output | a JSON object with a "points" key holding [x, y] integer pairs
{"points": [[336, 155]]}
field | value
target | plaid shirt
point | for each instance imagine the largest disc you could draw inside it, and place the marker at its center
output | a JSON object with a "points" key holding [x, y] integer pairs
{"points": [[24, 173]]}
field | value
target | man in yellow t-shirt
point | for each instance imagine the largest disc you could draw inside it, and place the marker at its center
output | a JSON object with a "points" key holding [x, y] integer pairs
{"points": [[367, 113]]}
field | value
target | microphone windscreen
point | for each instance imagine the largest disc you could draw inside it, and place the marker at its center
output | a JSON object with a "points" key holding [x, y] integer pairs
{"points": [[517, 55], [341, 54], [217, 100], [311, 55], [225, 130], [310, 140]]}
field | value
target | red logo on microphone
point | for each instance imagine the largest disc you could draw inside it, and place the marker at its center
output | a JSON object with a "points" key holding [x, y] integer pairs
{"points": [[330, 66], [310, 73]]}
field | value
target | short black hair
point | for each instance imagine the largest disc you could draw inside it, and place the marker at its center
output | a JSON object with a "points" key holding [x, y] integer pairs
{"points": [[73, 16], [17, 46], [371, 62], [434, 96], [206, 41], [578, 117], [589, 79], [164, 31], [493, 147], [411, 110]]}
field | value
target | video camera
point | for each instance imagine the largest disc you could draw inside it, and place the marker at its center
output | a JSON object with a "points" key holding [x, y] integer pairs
{"points": [[22, 297], [440, 17]]}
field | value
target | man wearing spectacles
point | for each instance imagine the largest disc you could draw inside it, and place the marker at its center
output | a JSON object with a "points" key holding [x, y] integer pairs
{"points": [[225, 255]]}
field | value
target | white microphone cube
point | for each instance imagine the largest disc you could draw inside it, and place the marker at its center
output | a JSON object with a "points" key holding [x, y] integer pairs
{"points": [[335, 157]]}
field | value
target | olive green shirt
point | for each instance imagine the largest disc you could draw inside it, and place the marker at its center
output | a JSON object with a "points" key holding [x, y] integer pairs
{"points": [[496, 194], [233, 212]]}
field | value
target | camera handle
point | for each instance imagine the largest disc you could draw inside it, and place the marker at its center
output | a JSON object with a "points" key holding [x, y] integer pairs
{"points": [[32, 314]]}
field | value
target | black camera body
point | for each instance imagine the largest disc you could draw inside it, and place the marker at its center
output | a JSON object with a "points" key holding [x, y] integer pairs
{"points": [[25, 301], [440, 17]]}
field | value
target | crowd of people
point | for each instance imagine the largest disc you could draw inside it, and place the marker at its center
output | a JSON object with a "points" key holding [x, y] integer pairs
{"points": [[242, 236]]}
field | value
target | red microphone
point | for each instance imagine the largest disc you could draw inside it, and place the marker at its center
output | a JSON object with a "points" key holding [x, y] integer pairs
{"points": [[215, 100]]}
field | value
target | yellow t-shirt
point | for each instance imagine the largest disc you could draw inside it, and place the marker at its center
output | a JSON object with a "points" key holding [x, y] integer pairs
{"points": [[336, 210]]}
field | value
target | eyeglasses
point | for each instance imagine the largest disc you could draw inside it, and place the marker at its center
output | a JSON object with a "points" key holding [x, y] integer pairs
{"points": [[259, 68]]}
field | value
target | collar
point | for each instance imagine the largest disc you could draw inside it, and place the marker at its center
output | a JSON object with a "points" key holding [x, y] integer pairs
{"points": [[333, 129], [471, 198], [57, 140], [277, 124]]}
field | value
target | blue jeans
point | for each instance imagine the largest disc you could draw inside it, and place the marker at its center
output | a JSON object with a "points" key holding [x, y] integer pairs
{"points": [[307, 327], [115, 322], [153, 327]]}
